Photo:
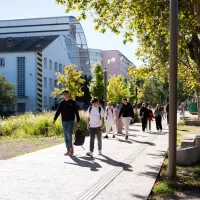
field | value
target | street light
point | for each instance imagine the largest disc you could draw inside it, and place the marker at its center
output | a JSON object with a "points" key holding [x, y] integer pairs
{"points": [[105, 87], [173, 88]]}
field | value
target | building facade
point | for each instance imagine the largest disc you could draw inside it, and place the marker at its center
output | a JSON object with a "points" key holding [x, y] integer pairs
{"points": [[33, 50], [116, 63], [96, 57], [112, 60]]}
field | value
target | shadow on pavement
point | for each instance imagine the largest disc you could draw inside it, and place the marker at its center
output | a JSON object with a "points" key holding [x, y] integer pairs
{"points": [[151, 174], [139, 196], [143, 142], [125, 141], [112, 162], [87, 162]]}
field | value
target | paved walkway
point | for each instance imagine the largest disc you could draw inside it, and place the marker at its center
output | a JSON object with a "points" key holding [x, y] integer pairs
{"points": [[127, 170]]}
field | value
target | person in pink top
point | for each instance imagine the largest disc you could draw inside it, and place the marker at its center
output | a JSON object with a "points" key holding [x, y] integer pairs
{"points": [[118, 122]]}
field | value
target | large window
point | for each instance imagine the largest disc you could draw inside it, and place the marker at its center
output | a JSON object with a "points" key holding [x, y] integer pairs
{"points": [[50, 64], [55, 83], [45, 63], [60, 68], [45, 101], [2, 62], [50, 83], [45, 82], [21, 76], [56, 67]]}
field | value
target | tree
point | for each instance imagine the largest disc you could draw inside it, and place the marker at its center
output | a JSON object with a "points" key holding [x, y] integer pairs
{"points": [[96, 86], [7, 94], [71, 80], [149, 22], [117, 88], [153, 92]]}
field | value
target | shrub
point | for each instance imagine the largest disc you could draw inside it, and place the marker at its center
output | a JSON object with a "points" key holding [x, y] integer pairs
{"points": [[28, 125]]}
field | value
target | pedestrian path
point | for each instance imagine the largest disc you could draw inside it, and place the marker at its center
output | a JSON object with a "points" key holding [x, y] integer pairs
{"points": [[127, 170]]}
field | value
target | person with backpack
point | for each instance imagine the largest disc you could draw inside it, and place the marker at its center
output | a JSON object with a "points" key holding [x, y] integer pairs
{"points": [[110, 120], [158, 116], [126, 112], [144, 114], [150, 118], [95, 116], [68, 110]]}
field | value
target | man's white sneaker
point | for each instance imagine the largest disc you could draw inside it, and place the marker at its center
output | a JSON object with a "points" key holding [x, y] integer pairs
{"points": [[100, 152], [90, 154]]}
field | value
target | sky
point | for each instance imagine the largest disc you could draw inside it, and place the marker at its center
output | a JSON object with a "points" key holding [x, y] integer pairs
{"points": [[20, 9]]}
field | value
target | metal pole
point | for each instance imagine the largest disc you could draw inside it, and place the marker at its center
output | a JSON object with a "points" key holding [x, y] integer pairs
{"points": [[136, 94], [173, 88], [105, 87]]}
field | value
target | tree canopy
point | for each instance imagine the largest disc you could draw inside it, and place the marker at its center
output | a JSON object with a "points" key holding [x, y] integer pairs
{"points": [[116, 89], [96, 86], [7, 94], [71, 80], [148, 20]]}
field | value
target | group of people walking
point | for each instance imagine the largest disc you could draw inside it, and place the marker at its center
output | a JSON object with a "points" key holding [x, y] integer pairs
{"points": [[115, 118], [147, 116]]}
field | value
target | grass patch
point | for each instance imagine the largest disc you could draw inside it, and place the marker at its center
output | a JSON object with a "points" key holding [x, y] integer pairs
{"points": [[164, 188], [31, 125], [15, 147]]}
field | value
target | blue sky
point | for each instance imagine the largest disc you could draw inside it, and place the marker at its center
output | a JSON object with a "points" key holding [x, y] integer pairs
{"points": [[18, 9]]}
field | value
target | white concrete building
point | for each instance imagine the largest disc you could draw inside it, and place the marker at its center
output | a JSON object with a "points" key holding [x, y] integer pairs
{"points": [[33, 50]]}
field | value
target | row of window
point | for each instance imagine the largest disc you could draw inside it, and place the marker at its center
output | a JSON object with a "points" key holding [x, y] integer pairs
{"points": [[92, 53], [51, 83], [57, 67]]}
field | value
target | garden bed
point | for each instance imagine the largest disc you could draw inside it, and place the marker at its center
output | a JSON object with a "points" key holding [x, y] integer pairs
{"points": [[188, 178]]}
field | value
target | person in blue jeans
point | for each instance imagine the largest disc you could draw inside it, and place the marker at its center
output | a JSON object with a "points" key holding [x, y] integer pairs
{"points": [[68, 110]]}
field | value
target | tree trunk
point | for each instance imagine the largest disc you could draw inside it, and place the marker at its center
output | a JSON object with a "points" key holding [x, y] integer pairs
{"points": [[198, 90]]}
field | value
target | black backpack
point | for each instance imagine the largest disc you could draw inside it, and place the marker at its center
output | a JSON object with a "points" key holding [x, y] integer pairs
{"points": [[79, 138]]}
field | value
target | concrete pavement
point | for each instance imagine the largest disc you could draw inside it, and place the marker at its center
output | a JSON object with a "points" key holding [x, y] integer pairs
{"points": [[127, 170]]}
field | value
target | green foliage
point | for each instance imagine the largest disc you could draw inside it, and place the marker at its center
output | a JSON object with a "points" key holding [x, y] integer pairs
{"points": [[164, 188], [71, 80], [132, 91], [7, 94], [153, 92], [116, 89], [149, 21], [97, 84], [30, 125]]}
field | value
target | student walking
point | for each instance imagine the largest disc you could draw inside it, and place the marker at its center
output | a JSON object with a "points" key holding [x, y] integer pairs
{"points": [[110, 120], [158, 116], [167, 111], [68, 110], [144, 114], [127, 113], [95, 116], [118, 122], [150, 118]]}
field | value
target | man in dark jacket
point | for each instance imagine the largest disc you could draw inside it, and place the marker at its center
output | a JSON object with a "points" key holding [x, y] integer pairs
{"points": [[127, 113], [68, 110], [144, 114]]}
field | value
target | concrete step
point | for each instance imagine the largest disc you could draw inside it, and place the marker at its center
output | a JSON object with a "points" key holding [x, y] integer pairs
{"points": [[187, 156]]}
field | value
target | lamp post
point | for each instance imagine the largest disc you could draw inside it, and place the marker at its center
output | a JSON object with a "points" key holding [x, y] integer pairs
{"points": [[105, 87], [136, 94], [173, 88]]}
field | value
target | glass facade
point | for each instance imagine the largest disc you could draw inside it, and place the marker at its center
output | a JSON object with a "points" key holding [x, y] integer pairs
{"points": [[21, 76], [76, 46]]}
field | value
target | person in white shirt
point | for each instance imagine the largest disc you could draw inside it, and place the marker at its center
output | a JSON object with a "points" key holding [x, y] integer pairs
{"points": [[95, 116], [110, 120]]}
